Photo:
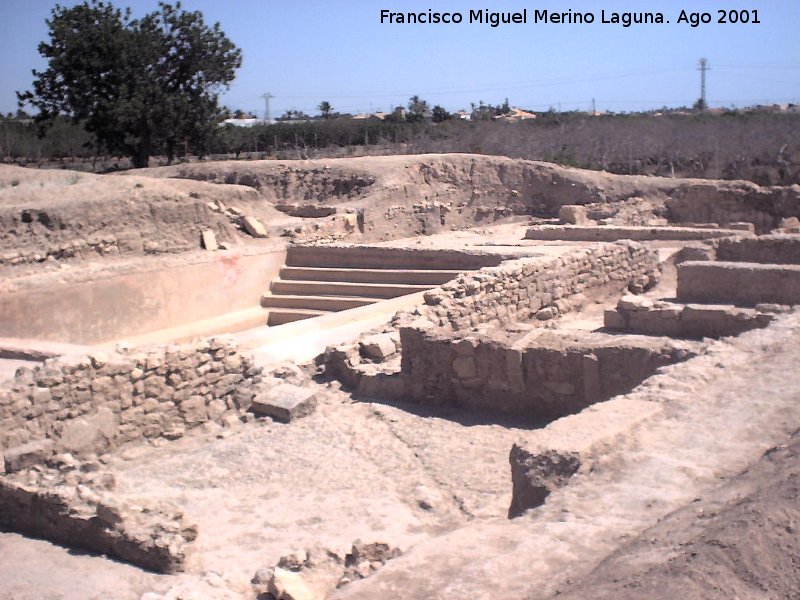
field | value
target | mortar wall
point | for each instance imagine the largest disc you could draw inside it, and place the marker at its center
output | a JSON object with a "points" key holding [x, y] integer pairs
{"points": [[743, 284], [110, 307]]}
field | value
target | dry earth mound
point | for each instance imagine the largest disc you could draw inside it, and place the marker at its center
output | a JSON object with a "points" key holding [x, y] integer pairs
{"points": [[66, 214], [423, 194], [739, 542]]}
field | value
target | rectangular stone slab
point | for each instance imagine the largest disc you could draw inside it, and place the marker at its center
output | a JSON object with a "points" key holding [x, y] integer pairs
{"points": [[284, 402]]}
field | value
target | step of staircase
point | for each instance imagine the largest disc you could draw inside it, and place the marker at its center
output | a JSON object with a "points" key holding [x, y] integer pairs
{"points": [[429, 277], [327, 288], [382, 257], [281, 316], [321, 303]]}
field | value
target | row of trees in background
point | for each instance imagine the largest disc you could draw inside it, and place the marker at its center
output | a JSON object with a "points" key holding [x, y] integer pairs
{"points": [[417, 110], [759, 146]]}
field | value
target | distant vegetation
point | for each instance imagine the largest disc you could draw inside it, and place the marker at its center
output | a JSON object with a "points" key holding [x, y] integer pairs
{"points": [[118, 91], [763, 147]]}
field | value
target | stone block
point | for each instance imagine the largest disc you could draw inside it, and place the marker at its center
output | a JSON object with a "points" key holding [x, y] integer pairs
{"points": [[209, 240], [284, 402], [254, 227], [464, 367], [27, 455], [634, 303], [612, 319], [89, 434], [573, 214], [194, 410]]}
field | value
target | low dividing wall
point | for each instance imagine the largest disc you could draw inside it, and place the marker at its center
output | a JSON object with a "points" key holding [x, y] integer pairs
{"points": [[544, 377], [112, 305], [92, 405], [775, 249], [743, 284], [538, 288]]}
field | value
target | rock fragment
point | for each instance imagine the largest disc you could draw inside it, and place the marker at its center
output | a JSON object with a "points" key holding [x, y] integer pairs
{"points": [[254, 227]]}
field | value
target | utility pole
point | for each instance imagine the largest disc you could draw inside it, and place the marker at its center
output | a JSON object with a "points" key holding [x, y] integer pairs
{"points": [[703, 68], [594, 108], [266, 98]]}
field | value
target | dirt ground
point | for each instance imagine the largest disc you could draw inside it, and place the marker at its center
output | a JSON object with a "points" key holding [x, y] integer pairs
{"points": [[436, 484]]}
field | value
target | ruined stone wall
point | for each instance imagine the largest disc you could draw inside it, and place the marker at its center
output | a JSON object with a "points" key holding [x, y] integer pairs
{"points": [[539, 289], [94, 404], [545, 377]]}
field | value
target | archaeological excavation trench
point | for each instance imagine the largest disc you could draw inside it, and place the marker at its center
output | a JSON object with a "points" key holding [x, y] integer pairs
{"points": [[272, 379]]}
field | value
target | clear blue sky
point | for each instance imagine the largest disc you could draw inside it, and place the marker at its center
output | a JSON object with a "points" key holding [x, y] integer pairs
{"points": [[312, 50]]}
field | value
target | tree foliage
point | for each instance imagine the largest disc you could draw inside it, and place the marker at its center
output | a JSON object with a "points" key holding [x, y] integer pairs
{"points": [[325, 109], [140, 86], [417, 109], [440, 114]]}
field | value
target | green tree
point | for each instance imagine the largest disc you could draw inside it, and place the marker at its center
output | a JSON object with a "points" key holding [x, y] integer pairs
{"points": [[417, 109], [140, 86], [440, 114], [326, 109]]}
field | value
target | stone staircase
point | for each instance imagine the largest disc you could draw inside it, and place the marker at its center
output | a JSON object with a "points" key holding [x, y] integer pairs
{"points": [[325, 280]]}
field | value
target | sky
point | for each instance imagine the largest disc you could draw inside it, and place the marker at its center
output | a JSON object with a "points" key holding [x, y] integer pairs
{"points": [[304, 52]]}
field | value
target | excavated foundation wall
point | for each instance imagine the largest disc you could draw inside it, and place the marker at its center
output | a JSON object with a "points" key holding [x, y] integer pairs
{"points": [[156, 538], [526, 289], [532, 290], [544, 378], [93, 405], [108, 306]]}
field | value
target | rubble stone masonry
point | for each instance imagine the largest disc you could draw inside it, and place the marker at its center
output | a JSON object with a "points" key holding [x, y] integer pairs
{"points": [[93, 404]]}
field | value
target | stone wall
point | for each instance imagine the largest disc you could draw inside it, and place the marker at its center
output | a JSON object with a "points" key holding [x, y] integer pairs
{"points": [[543, 376], [776, 249], [538, 288], [93, 404]]}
